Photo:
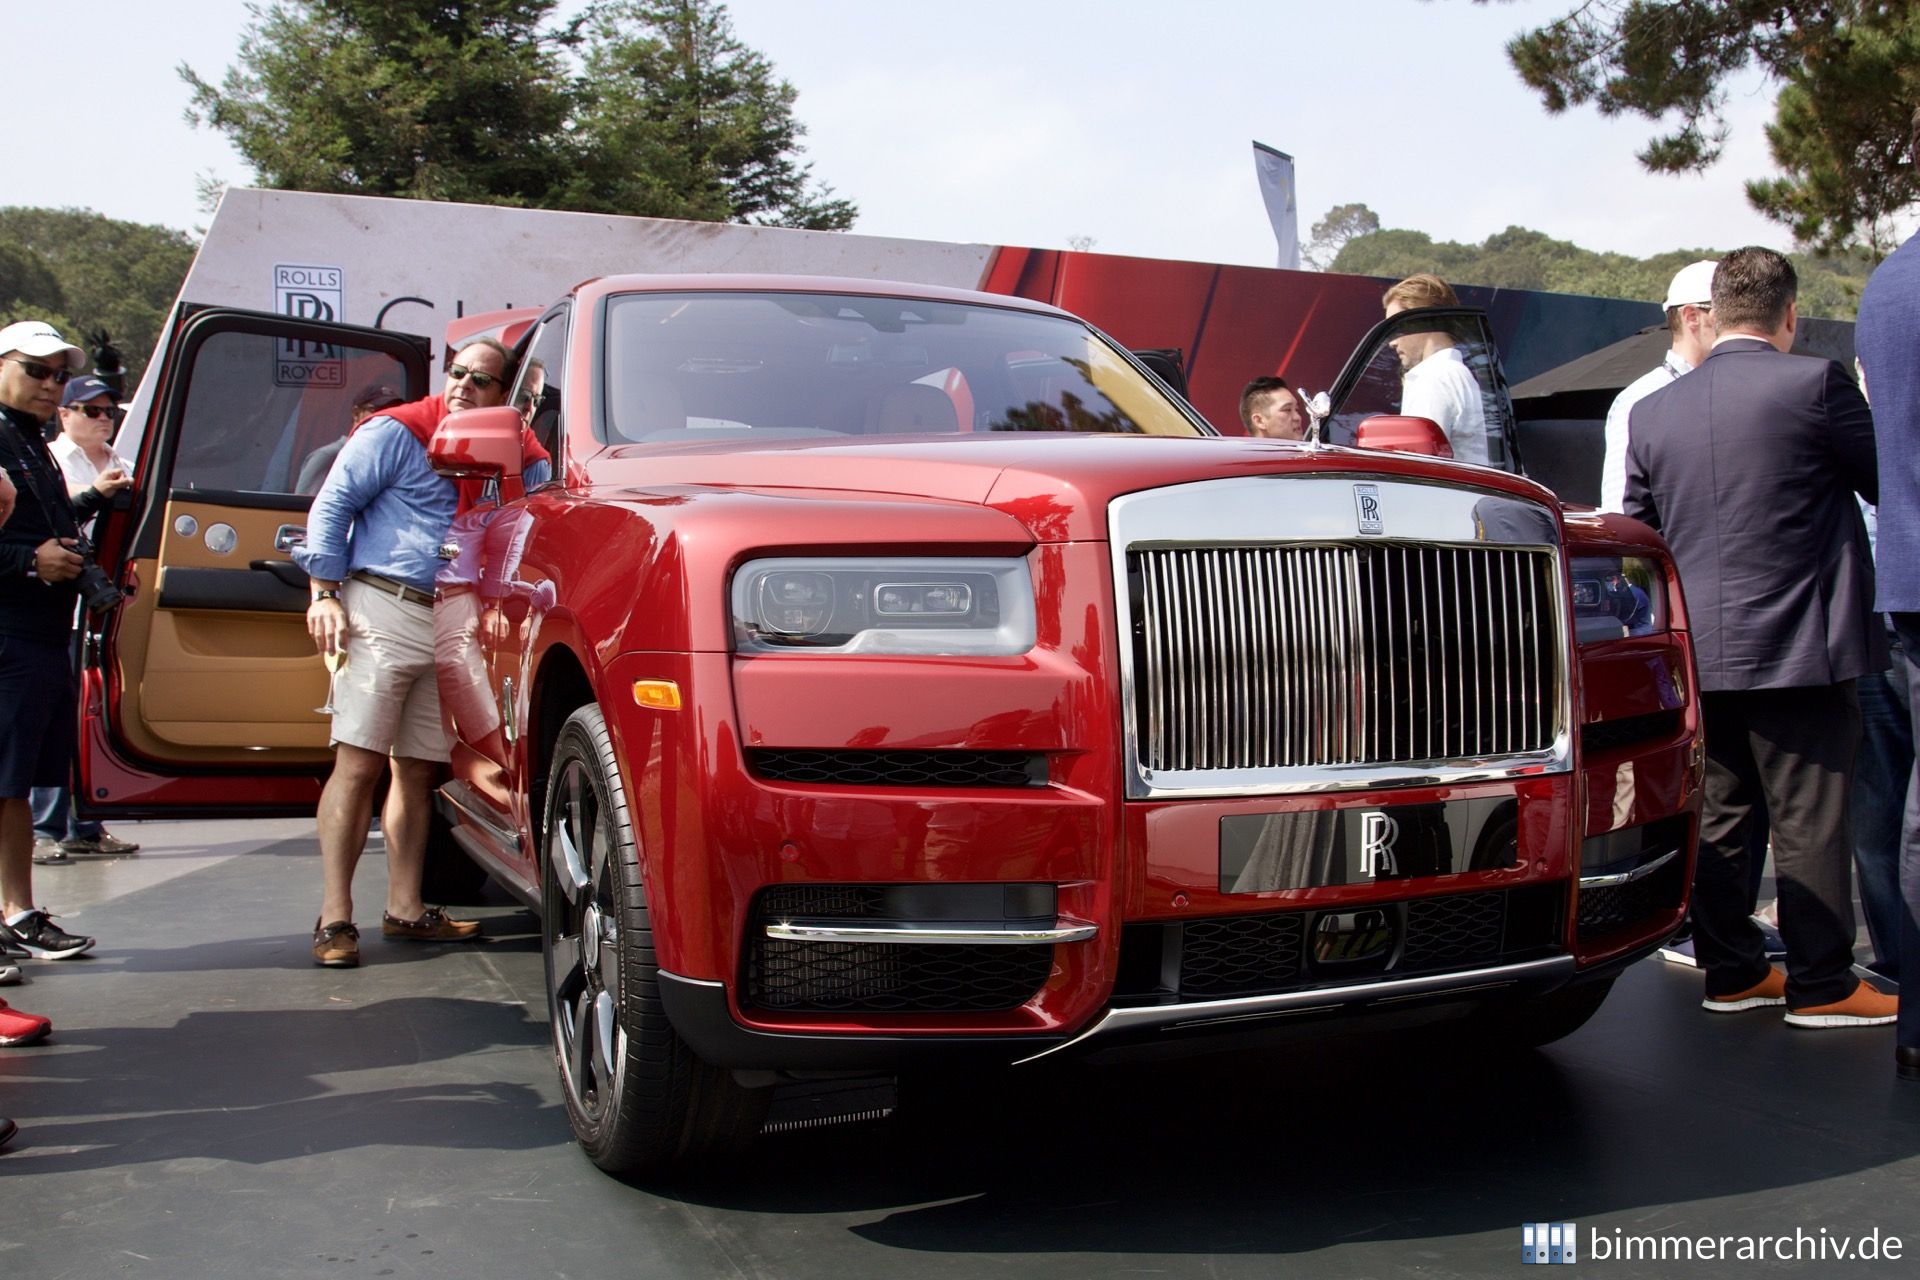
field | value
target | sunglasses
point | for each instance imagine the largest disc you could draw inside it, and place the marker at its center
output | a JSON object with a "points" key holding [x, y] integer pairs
{"points": [[480, 381], [91, 410], [41, 372]]}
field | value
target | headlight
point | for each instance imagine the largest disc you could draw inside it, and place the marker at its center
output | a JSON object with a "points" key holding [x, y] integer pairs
{"points": [[1615, 596], [920, 606]]}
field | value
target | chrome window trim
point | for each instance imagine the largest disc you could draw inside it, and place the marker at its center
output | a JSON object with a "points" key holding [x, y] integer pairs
{"points": [[1296, 510]]}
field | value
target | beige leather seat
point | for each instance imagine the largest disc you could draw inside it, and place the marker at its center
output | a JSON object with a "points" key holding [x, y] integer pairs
{"points": [[914, 408]]}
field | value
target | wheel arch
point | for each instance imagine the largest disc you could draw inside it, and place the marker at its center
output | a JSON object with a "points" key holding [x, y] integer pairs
{"points": [[560, 687]]}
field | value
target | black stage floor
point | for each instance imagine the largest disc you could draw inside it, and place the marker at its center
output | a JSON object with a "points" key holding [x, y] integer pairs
{"points": [[214, 1106]]}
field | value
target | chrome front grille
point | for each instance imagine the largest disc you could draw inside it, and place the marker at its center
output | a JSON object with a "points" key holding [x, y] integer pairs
{"points": [[1344, 654]]}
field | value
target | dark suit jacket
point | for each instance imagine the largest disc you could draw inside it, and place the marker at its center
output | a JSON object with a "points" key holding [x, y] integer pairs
{"points": [[1748, 465], [1887, 340]]}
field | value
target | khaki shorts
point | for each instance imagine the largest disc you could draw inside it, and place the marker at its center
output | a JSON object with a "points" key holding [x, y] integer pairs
{"points": [[387, 697]]}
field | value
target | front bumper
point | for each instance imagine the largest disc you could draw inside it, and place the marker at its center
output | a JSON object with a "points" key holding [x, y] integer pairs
{"points": [[700, 1013]]}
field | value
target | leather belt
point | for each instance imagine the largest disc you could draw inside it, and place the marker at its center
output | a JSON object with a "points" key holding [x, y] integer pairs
{"points": [[412, 595]]}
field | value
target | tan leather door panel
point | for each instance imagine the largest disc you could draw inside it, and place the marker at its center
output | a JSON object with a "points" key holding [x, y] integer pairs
{"points": [[215, 661]]}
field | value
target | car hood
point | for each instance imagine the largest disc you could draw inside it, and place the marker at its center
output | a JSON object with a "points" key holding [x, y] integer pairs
{"points": [[1059, 486]]}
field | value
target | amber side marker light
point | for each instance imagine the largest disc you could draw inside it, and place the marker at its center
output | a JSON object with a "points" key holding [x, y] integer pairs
{"points": [[657, 695]]}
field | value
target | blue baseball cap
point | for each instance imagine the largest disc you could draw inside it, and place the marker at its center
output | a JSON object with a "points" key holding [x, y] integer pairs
{"points": [[86, 388]]}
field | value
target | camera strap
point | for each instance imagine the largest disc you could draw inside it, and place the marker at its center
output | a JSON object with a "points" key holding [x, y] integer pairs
{"points": [[33, 462]]}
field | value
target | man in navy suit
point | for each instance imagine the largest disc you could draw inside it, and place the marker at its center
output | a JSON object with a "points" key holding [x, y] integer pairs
{"points": [[1887, 340], [1749, 466]]}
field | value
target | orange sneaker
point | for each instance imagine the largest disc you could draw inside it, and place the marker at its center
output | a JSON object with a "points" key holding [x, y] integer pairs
{"points": [[1771, 989], [1864, 1008]]}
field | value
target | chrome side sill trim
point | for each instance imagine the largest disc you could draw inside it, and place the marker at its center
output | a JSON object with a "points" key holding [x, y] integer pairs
{"points": [[459, 794], [823, 931], [1247, 1008], [1628, 877]]}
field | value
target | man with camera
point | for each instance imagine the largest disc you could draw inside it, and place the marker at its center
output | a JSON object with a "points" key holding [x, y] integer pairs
{"points": [[43, 570], [84, 450]]}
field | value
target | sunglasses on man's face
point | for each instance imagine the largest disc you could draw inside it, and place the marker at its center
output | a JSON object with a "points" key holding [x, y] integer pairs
{"points": [[479, 381], [41, 372], [92, 410]]}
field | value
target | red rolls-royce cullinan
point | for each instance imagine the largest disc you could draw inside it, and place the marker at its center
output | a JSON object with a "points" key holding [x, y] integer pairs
{"points": [[893, 676]]}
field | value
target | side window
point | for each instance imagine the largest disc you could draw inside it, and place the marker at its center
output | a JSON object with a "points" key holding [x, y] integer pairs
{"points": [[538, 393], [1417, 347], [267, 415]]}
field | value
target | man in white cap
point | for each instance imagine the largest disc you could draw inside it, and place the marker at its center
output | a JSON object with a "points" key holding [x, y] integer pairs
{"points": [[38, 598], [1689, 308]]}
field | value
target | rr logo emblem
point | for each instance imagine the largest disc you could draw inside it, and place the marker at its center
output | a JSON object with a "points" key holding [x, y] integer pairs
{"points": [[1366, 501], [1378, 831]]}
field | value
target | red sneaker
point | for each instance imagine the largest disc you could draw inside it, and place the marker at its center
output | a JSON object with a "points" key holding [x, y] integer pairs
{"points": [[17, 1028]]}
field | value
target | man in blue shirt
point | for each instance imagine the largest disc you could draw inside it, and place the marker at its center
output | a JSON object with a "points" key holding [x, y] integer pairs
{"points": [[1887, 341], [373, 537]]}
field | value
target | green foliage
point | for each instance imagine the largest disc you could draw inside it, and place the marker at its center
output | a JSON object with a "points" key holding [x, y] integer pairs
{"points": [[679, 119], [446, 100], [1518, 258], [83, 272], [1849, 72], [1841, 133], [1331, 233], [648, 108]]}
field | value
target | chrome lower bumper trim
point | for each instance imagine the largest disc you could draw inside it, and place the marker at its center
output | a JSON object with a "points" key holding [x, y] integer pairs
{"points": [[1249, 1008], [1628, 877], [823, 931]]}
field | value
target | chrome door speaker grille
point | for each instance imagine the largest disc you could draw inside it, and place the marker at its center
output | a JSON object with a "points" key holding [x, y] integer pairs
{"points": [[1343, 661]]}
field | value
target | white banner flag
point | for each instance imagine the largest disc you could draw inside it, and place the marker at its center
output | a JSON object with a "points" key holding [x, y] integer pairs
{"points": [[1276, 188]]}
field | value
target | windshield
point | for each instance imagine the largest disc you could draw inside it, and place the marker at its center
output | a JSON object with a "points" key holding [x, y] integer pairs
{"points": [[698, 366]]}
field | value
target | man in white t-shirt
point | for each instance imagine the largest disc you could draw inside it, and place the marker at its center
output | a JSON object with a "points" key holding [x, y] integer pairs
{"points": [[1689, 308], [1438, 385]]}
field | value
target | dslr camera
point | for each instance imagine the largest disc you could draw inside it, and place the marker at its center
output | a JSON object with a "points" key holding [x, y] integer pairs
{"points": [[97, 591]]}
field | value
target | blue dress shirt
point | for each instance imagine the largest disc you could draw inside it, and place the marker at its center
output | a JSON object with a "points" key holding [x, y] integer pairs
{"points": [[383, 509]]}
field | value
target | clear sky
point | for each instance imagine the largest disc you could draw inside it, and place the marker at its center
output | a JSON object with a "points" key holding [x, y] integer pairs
{"points": [[1026, 122]]}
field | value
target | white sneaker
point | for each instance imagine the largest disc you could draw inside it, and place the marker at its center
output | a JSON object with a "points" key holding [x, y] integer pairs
{"points": [[1680, 951]]}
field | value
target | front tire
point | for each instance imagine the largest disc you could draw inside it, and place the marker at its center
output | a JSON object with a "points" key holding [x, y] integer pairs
{"points": [[637, 1097]]}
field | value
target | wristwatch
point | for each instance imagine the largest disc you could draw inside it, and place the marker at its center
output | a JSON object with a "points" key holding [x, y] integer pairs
{"points": [[326, 593]]}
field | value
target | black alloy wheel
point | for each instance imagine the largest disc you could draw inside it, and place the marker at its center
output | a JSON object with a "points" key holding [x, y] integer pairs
{"points": [[637, 1097]]}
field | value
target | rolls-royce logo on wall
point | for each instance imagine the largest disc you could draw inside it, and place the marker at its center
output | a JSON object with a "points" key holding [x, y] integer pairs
{"points": [[1366, 501], [316, 293]]}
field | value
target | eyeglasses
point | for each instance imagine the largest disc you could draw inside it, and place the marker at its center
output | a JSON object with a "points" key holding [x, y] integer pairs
{"points": [[41, 372], [93, 410], [480, 381]]}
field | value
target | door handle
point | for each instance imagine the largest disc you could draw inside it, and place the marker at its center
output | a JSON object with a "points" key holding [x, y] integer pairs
{"points": [[289, 536], [285, 570]]}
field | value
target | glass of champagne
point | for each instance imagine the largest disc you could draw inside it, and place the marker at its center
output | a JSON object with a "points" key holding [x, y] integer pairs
{"points": [[336, 661]]}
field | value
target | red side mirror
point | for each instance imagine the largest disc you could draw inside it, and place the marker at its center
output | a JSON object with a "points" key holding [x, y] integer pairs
{"points": [[1391, 433], [478, 442]]}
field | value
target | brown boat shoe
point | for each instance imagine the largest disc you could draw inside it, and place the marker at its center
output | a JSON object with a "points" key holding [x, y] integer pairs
{"points": [[336, 945], [434, 925]]}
